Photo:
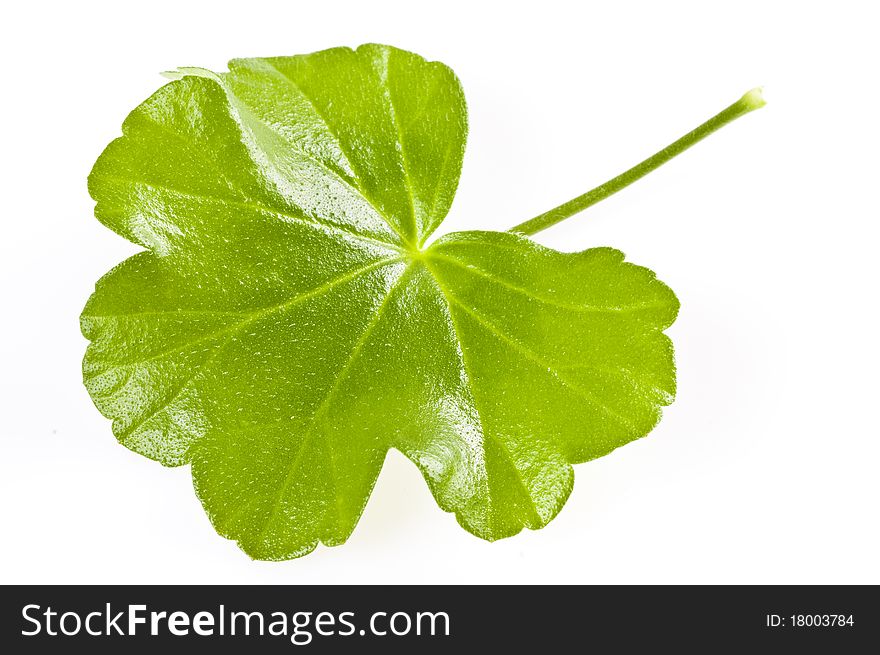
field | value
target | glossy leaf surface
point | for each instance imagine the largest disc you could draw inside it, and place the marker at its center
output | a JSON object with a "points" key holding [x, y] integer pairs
{"points": [[285, 326]]}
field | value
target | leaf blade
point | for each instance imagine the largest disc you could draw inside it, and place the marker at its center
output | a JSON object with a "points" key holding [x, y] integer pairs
{"points": [[284, 328]]}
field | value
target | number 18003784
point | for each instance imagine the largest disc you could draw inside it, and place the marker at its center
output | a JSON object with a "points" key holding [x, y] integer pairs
{"points": [[810, 621]]}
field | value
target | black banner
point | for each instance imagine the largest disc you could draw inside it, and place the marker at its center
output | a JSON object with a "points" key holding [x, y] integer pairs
{"points": [[270, 619]]}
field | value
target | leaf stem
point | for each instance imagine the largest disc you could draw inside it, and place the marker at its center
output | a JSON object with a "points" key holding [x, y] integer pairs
{"points": [[749, 102]]}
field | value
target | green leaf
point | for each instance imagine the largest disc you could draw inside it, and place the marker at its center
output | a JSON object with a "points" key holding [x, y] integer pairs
{"points": [[285, 327]]}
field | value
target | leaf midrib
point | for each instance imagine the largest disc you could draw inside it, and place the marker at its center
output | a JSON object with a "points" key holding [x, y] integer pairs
{"points": [[385, 76], [310, 430], [586, 307], [231, 330], [539, 361], [254, 206], [448, 298], [352, 184]]}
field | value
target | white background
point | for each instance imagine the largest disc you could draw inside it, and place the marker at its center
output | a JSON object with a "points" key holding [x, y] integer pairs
{"points": [[765, 469]]}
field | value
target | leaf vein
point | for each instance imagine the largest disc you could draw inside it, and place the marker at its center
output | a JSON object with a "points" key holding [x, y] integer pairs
{"points": [[385, 76], [164, 404], [352, 184], [257, 207], [476, 270], [265, 311], [536, 359], [469, 377], [310, 431]]}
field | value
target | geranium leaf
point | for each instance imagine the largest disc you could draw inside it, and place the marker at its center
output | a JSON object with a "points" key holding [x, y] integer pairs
{"points": [[285, 327]]}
